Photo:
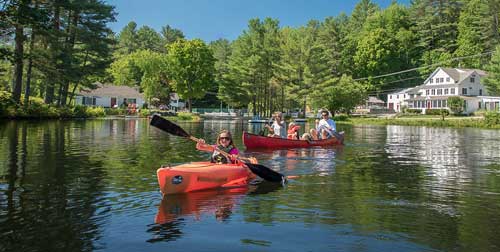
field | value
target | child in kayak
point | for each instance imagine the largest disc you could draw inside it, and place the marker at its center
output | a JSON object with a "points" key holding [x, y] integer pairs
{"points": [[224, 143]]}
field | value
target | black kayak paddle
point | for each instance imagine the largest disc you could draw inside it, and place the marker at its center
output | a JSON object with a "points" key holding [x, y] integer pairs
{"points": [[260, 170]]}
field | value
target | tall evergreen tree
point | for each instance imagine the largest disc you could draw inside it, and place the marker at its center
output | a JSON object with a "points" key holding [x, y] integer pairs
{"points": [[361, 12], [170, 34], [478, 32], [435, 25], [492, 81], [149, 39], [221, 50], [128, 40]]}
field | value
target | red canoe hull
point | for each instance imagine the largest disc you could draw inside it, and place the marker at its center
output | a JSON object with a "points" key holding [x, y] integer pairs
{"points": [[257, 141]]}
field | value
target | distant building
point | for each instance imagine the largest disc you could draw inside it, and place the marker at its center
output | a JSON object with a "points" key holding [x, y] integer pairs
{"points": [[396, 101], [371, 105], [442, 84], [109, 96], [175, 102]]}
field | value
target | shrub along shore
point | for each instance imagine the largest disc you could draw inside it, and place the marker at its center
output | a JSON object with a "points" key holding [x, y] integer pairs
{"points": [[37, 109]]}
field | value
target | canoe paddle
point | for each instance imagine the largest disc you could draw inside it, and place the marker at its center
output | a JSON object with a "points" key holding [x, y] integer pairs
{"points": [[260, 170]]}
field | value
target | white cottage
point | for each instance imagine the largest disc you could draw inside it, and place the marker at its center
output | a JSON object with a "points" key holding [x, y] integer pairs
{"points": [[176, 103], [397, 101], [110, 96], [447, 82]]}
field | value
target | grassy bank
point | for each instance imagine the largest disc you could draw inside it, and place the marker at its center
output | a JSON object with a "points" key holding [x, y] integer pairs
{"points": [[489, 121], [184, 116]]}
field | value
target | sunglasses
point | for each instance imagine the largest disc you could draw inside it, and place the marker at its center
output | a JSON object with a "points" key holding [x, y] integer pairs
{"points": [[224, 138], [325, 115]]}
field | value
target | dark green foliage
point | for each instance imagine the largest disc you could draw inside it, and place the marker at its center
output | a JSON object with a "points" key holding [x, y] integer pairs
{"points": [[456, 104], [413, 111], [341, 118], [492, 81], [442, 112], [492, 118], [170, 35], [6, 102]]}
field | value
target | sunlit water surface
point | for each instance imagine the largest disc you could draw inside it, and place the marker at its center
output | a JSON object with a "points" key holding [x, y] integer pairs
{"points": [[91, 185]]}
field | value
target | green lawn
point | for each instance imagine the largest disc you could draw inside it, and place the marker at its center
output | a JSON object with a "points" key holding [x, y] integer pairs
{"points": [[425, 120]]}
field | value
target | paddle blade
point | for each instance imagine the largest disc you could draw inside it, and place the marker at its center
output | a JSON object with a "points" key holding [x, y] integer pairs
{"points": [[168, 126], [266, 173]]}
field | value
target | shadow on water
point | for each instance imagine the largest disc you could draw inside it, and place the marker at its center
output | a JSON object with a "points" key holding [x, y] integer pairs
{"points": [[178, 210]]}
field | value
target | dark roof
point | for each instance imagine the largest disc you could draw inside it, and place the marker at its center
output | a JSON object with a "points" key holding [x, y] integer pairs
{"points": [[373, 99], [112, 91], [434, 86], [459, 74]]}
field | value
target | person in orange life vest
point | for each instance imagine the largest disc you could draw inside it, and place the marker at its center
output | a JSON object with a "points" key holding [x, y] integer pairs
{"points": [[224, 143], [293, 131]]}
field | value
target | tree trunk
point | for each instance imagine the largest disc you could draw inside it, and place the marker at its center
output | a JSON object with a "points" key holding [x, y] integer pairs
{"points": [[282, 98], [69, 54], [189, 105], [49, 95], [254, 102], [305, 101], [59, 95], [72, 95], [28, 73], [18, 61]]}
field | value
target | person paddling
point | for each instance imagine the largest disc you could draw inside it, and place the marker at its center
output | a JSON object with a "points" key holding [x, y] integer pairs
{"points": [[224, 143]]}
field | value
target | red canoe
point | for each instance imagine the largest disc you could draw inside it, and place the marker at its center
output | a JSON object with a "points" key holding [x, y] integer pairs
{"points": [[257, 141]]}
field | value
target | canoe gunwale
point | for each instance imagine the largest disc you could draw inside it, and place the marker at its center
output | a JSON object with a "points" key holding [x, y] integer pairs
{"points": [[257, 141]]}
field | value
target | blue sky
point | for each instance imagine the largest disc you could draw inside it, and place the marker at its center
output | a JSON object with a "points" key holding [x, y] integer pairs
{"points": [[213, 19]]}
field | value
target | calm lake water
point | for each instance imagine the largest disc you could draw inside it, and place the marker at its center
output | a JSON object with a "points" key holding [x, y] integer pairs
{"points": [[91, 185]]}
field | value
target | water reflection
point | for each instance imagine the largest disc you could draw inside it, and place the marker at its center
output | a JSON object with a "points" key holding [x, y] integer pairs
{"points": [[90, 185], [177, 210], [57, 198], [303, 161]]}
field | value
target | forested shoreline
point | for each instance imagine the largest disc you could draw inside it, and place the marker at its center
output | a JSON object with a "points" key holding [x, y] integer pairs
{"points": [[52, 49]]}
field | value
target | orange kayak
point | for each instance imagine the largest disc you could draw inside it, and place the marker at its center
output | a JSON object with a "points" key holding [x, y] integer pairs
{"points": [[198, 176]]}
